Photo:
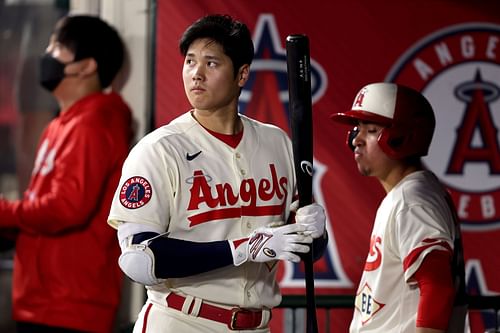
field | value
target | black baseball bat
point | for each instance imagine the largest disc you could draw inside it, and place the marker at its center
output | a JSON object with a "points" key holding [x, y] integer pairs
{"points": [[300, 107]]}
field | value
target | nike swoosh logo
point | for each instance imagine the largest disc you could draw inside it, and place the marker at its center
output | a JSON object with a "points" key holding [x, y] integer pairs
{"points": [[191, 157]]}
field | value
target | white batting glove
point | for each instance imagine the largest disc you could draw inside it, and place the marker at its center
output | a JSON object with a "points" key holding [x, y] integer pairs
{"points": [[268, 244], [312, 215]]}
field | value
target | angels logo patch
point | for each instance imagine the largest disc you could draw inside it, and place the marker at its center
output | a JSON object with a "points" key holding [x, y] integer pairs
{"points": [[458, 70], [135, 192]]}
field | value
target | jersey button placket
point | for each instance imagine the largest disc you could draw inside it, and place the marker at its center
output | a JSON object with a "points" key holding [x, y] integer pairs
{"points": [[240, 168], [240, 162]]}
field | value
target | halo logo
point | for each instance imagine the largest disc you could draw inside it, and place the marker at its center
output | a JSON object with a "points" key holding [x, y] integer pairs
{"points": [[458, 70]]}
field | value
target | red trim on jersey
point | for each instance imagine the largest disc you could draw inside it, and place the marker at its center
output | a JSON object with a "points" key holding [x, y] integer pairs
{"points": [[235, 212], [412, 257], [145, 320], [231, 140], [435, 281], [238, 242]]}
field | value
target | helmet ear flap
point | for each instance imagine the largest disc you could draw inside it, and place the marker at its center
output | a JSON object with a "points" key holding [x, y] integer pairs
{"points": [[397, 142], [390, 140], [398, 138], [350, 137]]}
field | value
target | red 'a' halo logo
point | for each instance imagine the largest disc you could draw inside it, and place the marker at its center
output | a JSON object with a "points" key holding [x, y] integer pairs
{"points": [[458, 70], [358, 101]]}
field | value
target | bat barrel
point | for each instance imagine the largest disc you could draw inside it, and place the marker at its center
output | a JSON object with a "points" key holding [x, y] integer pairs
{"points": [[299, 69], [300, 107]]}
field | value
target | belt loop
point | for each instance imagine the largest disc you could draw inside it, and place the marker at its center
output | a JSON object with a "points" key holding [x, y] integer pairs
{"points": [[266, 318], [196, 307], [187, 304]]}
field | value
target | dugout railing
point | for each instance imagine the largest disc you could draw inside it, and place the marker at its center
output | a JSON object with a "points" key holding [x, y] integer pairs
{"points": [[330, 302]]}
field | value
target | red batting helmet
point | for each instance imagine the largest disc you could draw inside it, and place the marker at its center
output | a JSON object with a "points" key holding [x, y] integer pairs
{"points": [[406, 114]]}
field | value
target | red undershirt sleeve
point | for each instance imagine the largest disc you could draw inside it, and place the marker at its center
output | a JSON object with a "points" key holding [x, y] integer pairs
{"points": [[435, 281]]}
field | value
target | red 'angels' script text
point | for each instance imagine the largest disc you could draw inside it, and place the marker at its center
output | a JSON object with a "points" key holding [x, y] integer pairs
{"points": [[226, 199]]}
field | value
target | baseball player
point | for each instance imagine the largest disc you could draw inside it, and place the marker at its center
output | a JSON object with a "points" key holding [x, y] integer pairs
{"points": [[203, 202], [413, 273]]}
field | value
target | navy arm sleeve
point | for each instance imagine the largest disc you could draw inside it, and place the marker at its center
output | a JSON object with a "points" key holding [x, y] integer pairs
{"points": [[175, 258]]}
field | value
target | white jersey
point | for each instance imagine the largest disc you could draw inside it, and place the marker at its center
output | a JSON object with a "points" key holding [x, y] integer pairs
{"points": [[182, 180], [413, 219]]}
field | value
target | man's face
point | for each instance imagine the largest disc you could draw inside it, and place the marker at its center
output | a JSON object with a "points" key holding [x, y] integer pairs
{"points": [[370, 159], [71, 69], [208, 75]]}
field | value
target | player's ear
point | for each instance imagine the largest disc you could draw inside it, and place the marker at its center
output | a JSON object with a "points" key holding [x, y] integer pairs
{"points": [[243, 74], [89, 66]]}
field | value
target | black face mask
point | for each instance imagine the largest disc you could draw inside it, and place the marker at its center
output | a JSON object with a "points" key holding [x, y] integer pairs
{"points": [[51, 72]]}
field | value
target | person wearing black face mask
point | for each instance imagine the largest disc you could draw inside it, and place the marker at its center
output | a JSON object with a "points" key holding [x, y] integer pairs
{"points": [[51, 71], [65, 252]]}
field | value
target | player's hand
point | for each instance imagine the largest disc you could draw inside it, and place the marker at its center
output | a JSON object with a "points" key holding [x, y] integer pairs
{"points": [[312, 215], [268, 244]]}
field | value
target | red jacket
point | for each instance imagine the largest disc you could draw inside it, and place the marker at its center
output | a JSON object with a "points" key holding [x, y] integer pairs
{"points": [[65, 266]]}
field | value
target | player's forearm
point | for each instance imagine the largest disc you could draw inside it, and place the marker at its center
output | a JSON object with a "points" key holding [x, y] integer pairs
{"points": [[181, 258], [175, 258], [149, 257], [434, 279]]}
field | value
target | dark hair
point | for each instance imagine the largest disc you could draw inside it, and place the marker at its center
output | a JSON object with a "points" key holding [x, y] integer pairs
{"points": [[232, 35], [90, 37]]}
